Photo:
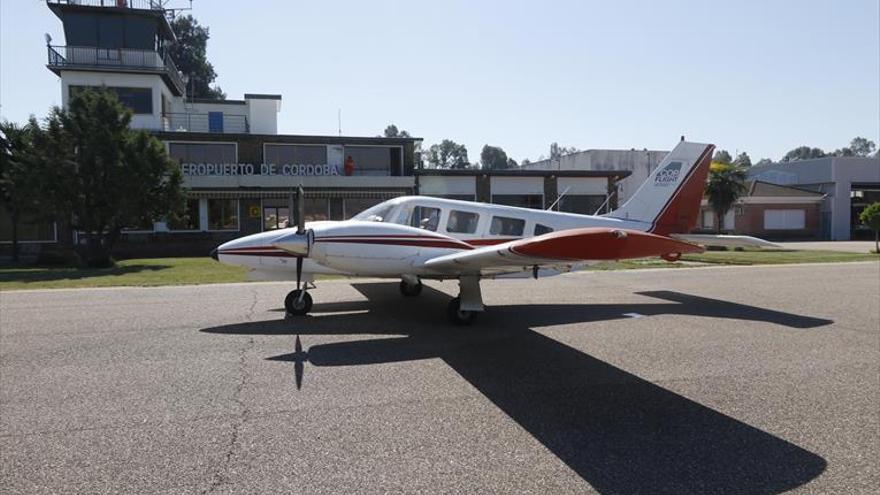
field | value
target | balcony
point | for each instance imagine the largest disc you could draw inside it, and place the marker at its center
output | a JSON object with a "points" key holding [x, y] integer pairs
{"points": [[204, 122], [118, 60]]}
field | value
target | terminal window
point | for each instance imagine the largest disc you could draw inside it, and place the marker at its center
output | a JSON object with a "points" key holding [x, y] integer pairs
{"points": [[375, 160], [139, 100], [189, 220], [203, 152], [222, 214], [275, 217], [296, 154], [584, 204], [535, 201]]}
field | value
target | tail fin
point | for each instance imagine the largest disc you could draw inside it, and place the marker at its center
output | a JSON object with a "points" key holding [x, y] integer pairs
{"points": [[670, 199]]}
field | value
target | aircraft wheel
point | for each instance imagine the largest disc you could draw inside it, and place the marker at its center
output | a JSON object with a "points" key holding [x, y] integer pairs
{"points": [[410, 290], [459, 316], [296, 307]]}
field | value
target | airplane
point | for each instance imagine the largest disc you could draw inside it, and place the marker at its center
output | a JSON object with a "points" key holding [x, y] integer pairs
{"points": [[417, 238]]}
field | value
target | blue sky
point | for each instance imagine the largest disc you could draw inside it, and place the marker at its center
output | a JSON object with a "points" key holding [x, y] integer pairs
{"points": [[760, 76]]}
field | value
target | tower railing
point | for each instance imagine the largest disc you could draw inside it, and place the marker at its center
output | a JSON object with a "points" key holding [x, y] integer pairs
{"points": [[115, 58], [120, 4]]}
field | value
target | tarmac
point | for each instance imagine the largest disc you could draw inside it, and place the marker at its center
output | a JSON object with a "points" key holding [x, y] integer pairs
{"points": [[698, 380]]}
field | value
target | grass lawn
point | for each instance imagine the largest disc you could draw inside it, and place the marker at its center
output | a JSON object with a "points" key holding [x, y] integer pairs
{"points": [[776, 257], [184, 271], [136, 272]]}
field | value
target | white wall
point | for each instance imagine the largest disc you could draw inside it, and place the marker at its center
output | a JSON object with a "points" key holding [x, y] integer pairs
{"points": [[640, 162], [517, 185], [263, 115], [437, 185], [582, 185], [152, 81]]}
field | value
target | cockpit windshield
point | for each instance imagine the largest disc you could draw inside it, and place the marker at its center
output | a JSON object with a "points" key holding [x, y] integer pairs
{"points": [[378, 213]]}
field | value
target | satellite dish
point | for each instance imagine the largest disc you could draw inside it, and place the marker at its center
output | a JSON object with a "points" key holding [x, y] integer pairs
{"points": [[48, 38]]}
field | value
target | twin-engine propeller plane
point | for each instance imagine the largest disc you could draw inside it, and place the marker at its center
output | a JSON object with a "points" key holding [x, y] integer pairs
{"points": [[417, 237]]}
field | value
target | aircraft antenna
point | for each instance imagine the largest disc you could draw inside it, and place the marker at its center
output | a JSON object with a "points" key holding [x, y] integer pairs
{"points": [[559, 198]]}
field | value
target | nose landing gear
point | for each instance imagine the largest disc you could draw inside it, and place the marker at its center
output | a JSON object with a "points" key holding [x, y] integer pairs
{"points": [[298, 302]]}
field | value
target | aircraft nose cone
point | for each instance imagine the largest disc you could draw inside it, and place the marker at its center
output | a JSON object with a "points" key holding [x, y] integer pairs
{"points": [[214, 255]]}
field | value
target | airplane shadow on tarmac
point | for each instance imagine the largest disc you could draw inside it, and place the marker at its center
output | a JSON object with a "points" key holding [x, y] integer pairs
{"points": [[619, 432]]}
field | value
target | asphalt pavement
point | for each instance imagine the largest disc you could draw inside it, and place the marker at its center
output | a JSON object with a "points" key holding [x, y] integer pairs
{"points": [[700, 380]]}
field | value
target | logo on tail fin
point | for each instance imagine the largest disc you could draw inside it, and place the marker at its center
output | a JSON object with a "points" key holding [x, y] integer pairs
{"points": [[668, 175]]}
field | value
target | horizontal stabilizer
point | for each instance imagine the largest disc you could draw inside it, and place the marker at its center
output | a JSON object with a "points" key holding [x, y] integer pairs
{"points": [[725, 240]]}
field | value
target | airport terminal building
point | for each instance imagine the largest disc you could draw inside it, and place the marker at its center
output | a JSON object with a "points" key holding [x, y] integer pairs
{"points": [[238, 169]]}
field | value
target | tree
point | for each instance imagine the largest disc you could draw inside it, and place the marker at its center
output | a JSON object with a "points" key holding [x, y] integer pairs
{"points": [[557, 152], [726, 185], [525, 161], [493, 158], [190, 54], [742, 160], [104, 175], [448, 154], [19, 180], [870, 216], [859, 146], [722, 156], [764, 161], [392, 132], [803, 153]]}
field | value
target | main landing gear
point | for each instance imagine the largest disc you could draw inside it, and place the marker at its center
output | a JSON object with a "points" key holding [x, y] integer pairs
{"points": [[410, 286], [463, 309]]}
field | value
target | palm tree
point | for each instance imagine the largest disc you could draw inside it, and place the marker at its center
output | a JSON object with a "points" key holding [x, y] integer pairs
{"points": [[726, 186]]}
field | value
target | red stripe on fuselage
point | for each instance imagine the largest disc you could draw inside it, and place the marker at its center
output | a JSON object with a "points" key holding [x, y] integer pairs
{"points": [[373, 239], [433, 242]]}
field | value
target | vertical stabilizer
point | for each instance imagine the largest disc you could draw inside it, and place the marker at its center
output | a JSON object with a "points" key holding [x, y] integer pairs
{"points": [[669, 201]]}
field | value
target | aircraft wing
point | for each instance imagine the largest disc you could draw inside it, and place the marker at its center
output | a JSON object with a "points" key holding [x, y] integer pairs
{"points": [[565, 247]]}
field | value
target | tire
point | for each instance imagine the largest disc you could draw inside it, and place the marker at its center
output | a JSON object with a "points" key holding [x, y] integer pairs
{"points": [[457, 316], [410, 290], [294, 309]]}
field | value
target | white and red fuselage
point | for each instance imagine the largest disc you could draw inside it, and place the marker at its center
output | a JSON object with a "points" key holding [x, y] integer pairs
{"points": [[427, 237], [382, 241]]}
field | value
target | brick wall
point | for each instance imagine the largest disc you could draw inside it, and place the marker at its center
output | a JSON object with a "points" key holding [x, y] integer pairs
{"points": [[751, 222]]}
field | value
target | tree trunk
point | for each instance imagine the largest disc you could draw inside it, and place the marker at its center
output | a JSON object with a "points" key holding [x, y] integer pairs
{"points": [[877, 241], [717, 223], [97, 255], [14, 217]]}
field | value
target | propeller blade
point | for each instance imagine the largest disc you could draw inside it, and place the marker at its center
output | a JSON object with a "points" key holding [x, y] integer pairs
{"points": [[299, 271], [300, 207]]}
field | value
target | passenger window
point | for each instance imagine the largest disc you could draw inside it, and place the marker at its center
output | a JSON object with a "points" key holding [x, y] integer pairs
{"points": [[462, 222], [542, 229], [425, 217], [507, 226]]}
